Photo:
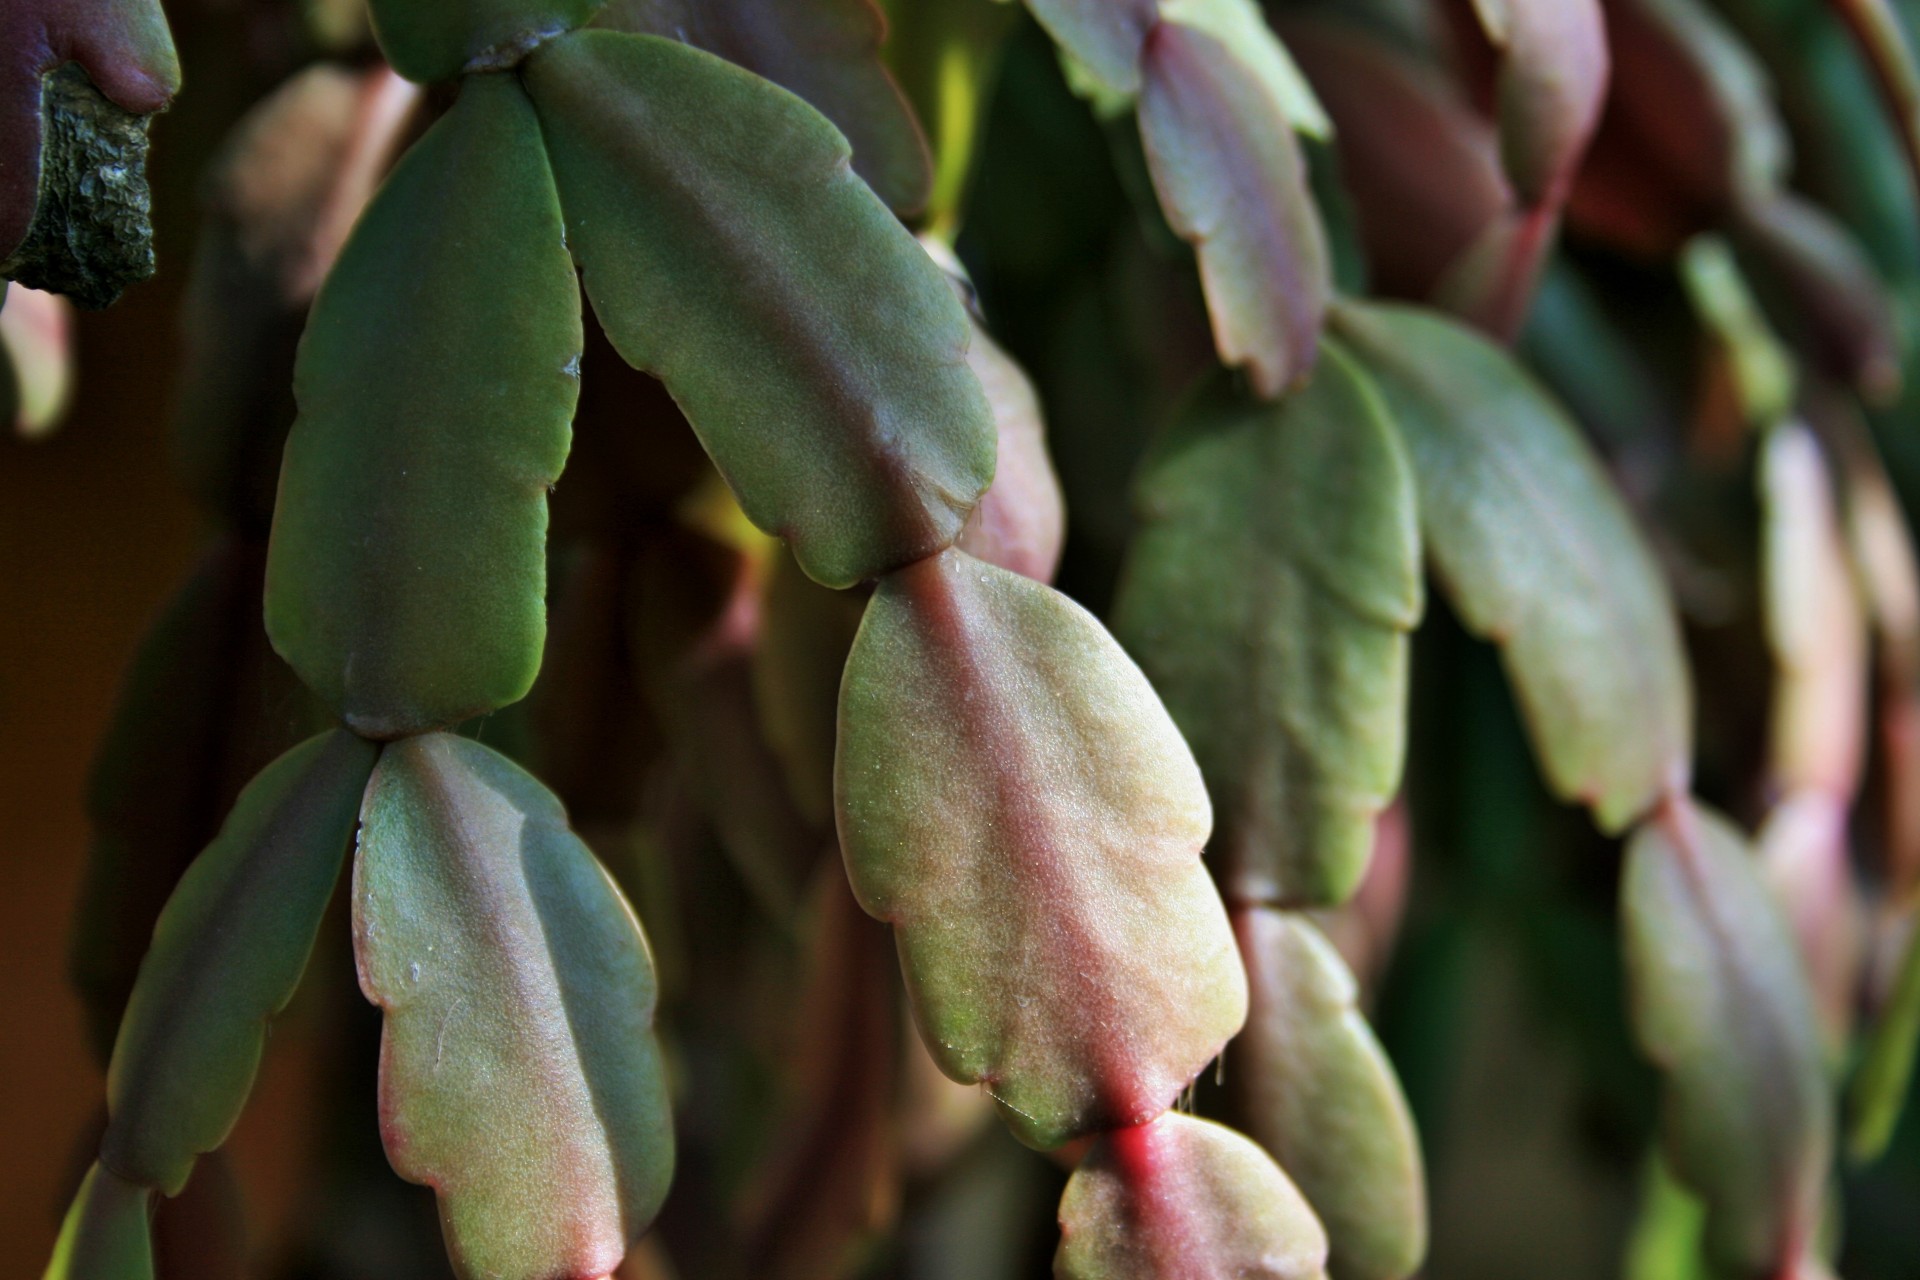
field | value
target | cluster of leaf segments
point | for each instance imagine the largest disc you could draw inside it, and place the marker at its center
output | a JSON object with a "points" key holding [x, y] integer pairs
{"points": [[712, 216], [1010, 793]]}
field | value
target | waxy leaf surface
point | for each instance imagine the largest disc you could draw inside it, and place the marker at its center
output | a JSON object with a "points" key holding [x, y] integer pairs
{"points": [[1721, 1005], [104, 1236], [1268, 597], [429, 40], [1312, 1085], [1539, 555], [1215, 121], [518, 1072], [730, 251], [826, 51], [1187, 1198], [406, 577], [1014, 799], [227, 954]]}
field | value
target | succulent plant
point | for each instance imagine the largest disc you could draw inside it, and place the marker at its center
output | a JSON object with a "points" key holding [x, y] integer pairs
{"points": [[1357, 325]]}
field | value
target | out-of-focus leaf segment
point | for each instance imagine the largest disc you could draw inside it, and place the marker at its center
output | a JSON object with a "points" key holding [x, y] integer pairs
{"points": [[484, 551]]}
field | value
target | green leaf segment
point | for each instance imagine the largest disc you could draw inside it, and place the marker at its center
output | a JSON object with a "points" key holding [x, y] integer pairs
{"points": [[1269, 595], [1721, 1003], [436, 386], [1015, 800], [519, 1075]]}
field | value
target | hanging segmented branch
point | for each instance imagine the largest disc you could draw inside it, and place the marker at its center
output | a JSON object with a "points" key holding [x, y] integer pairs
{"points": [[485, 558]]}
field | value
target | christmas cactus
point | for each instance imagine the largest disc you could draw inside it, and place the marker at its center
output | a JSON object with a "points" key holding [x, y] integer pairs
{"points": [[1402, 361]]}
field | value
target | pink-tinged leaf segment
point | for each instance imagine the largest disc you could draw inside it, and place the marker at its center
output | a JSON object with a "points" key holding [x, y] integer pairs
{"points": [[430, 40], [518, 1071], [826, 51], [1021, 523], [1539, 555], [1721, 1005], [1552, 85], [1268, 595], [104, 1236], [406, 575], [1816, 623], [1015, 800], [227, 954], [1312, 1085], [730, 251], [1217, 108], [1181, 1198], [1423, 166]]}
